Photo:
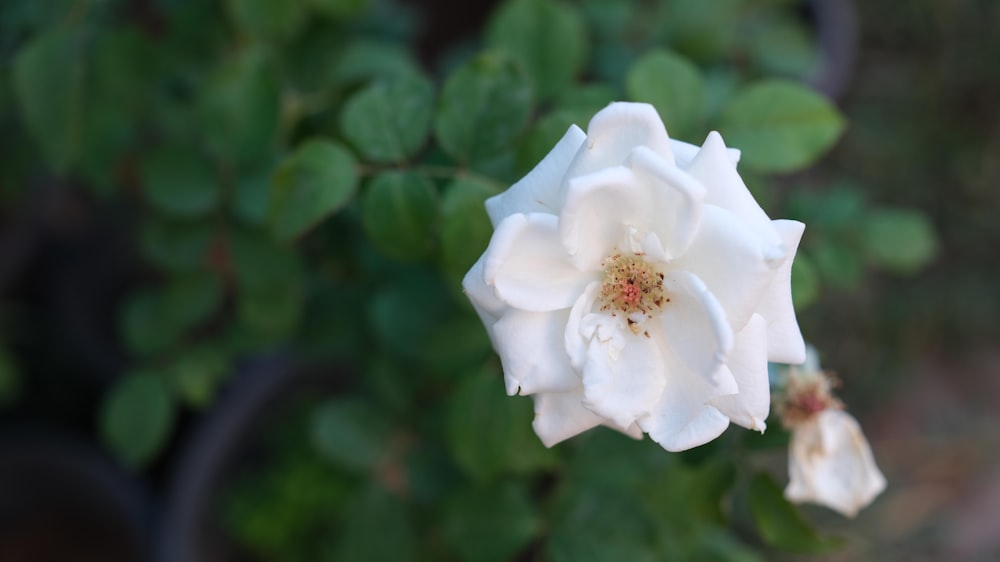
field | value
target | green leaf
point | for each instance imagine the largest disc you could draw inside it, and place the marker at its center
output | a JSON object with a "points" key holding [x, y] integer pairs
{"points": [[239, 107], [363, 61], [270, 291], [483, 432], [351, 434], [805, 282], [338, 9], [376, 526], [389, 120], [136, 418], [601, 525], [252, 195], [901, 241], [191, 299], [839, 264], [317, 180], [780, 126], [268, 19], [49, 85], [490, 524], [779, 522], [465, 226], [145, 323], [399, 211], [401, 313], [197, 373], [180, 183], [484, 106], [676, 89], [784, 45], [176, 246], [546, 37]]}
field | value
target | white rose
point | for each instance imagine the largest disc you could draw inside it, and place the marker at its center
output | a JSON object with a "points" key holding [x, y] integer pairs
{"points": [[830, 463], [633, 281]]}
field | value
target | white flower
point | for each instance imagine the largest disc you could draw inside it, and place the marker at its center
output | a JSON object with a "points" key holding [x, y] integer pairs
{"points": [[829, 460], [830, 463], [633, 281]]}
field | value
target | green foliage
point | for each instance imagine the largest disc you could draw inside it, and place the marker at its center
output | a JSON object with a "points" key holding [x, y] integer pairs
{"points": [[901, 241], [399, 211], [490, 523], [389, 120], [779, 523], [465, 226], [546, 37], [483, 107], [674, 86], [351, 434], [136, 418], [376, 527], [780, 126], [318, 179], [180, 183]]}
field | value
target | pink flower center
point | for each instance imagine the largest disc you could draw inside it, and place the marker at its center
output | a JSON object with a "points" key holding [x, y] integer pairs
{"points": [[632, 287]]}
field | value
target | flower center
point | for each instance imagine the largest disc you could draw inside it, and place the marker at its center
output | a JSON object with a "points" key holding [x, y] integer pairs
{"points": [[632, 287]]}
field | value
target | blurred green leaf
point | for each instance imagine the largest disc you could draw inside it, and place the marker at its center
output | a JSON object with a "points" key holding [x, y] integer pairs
{"points": [[783, 45], [465, 226], [805, 282], [180, 183], [483, 107], [239, 108], [268, 19], [601, 526], [192, 298], [145, 323], [780, 126], [376, 526], [838, 263], [317, 180], [491, 523], [270, 293], [779, 522], [901, 241], [136, 418], [487, 429], [338, 9], [389, 120], [399, 211], [403, 314], [547, 37], [49, 84], [674, 86], [366, 60], [455, 345], [351, 433], [702, 29], [252, 195], [197, 372], [176, 246]]}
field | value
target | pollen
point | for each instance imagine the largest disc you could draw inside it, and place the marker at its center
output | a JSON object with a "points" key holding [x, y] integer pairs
{"points": [[632, 287]]}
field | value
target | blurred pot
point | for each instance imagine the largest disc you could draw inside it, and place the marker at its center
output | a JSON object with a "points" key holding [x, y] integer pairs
{"points": [[63, 499]]}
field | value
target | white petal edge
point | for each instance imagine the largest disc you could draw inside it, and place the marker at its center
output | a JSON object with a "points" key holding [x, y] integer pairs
{"points": [[483, 299], [714, 168], [540, 190], [527, 266], [695, 324], [614, 131], [622, 378], [747, 363], [559, 416], [785, 343], [734, 262], [684, 153], [531, 349]]}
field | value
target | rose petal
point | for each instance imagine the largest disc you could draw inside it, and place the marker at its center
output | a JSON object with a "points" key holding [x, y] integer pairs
{"points": [[575, 342], [528, 267], [695, 325], [714, 168], [784, 338], [676, 201], [748, 365], [615, 131], [682, 418], [559, 416], [735, 264], [831, 463], [622, 377], [685, 152], [483, 299], [532, 351], [599, 208], [539, 190]]}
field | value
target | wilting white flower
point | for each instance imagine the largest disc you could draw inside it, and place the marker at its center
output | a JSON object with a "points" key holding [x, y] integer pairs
{"points": [[633, 281], [829, 461]]}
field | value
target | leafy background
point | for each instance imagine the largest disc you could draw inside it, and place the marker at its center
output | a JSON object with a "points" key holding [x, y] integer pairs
{"points": [[198, 196]]}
